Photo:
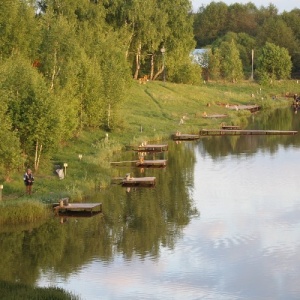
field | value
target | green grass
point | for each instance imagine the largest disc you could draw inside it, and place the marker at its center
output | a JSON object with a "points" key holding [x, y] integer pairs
{"points": [[17, 291], [22, 211], [152, 112]]}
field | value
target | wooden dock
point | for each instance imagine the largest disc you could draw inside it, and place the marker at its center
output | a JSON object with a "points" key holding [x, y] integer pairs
{"points": [[214, 116], [218, 132], [226, 127], [158, 163], [185, 137], [78, 207], [151, 148], [139, 181], [141, 163], [251, 108]]}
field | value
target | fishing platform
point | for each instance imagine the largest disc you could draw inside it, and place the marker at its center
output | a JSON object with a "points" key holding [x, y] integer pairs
{"points": [[151, 148], [158, 163], [142, 163], [129, 181], [251, 108], [230, 127], [65, 206], [214, 116], [218, 132], [185, 137]]}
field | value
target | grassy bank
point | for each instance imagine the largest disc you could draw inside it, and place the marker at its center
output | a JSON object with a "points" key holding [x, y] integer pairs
{"points": [[17, 291], [152, 112]]}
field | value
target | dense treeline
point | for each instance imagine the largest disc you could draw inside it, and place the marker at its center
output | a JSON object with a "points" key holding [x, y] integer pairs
{"points": [[67, 65], [250, 36]]}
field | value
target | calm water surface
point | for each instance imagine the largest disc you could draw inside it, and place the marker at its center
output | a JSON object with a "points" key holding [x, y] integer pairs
{"points": [[223, 222]]}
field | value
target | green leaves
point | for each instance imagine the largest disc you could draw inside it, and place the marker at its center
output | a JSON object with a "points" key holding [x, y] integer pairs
{"points": [[273, 62], [29, 104]]}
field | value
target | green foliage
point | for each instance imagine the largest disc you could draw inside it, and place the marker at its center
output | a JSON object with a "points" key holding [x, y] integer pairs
{"points": [[10, 156], [210, 23], [225, 62], [19, 31], [276, 31], [250, 27], [273, 63], [31, 107], [244, 43]]}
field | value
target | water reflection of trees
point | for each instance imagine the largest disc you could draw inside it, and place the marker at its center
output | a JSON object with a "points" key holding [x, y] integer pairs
{"points": [[134, 223], [280, 119]]}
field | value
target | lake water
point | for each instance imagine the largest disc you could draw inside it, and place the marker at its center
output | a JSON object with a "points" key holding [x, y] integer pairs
{"points": [[222, 222]]}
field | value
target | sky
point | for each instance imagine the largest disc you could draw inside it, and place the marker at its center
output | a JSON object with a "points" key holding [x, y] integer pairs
{"points": [[282, 5]]}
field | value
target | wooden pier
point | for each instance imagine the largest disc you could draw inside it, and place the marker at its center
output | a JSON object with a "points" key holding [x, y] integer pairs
{"points": [[151, 148], [158, 163], [218, 132], [77, 207], [141, 163], [251, 108], [185, 137], [139, 181], [226, 127], [214, 116]]}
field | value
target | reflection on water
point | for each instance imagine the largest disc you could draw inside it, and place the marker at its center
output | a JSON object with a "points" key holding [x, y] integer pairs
{"points": [[222, 222]]}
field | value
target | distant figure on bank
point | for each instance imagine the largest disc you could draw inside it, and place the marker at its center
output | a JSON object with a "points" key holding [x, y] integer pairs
{"points": [[28, 180]]}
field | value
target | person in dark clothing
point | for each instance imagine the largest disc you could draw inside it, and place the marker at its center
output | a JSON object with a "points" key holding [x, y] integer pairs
{"points": [[28, 180]]}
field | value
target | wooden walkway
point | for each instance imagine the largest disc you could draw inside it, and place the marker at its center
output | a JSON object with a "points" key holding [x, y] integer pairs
{"points": [[215, 116], [251, 108], [152, 148], [230, 127], [185, 137], [215, 132], [139, 181], [158, 163], [78, 207]]}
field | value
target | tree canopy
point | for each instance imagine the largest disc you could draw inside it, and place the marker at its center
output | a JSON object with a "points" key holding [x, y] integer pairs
{"points": [[67, 65], [216, 21]]}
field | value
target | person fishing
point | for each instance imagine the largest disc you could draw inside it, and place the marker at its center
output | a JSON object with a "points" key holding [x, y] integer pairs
{"points": [[28, 180]]}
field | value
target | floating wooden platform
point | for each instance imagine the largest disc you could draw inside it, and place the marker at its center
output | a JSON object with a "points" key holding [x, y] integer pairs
{"points": [[211, 132], [215, 116], [160, 163], [139, 181], [230, 127], [152, 148], [185, 137], [251, 108], [78, 207]]}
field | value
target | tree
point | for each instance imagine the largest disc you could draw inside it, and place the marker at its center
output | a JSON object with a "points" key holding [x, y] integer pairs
{"points": [[242, 18], [275, 30], [31, 108], [214, 64], [244, 43], [19, 31], [231, 64], [210, 23], [10, 152], [179, 42], [292, 20], [273, 63]]}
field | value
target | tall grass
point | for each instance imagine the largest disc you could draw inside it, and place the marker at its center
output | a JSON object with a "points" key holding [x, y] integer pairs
{"points": [[17, 291], [22, 212]]}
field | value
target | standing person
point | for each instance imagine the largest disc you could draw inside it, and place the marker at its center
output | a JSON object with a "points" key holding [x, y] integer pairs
{"points": [[28, 180]]}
